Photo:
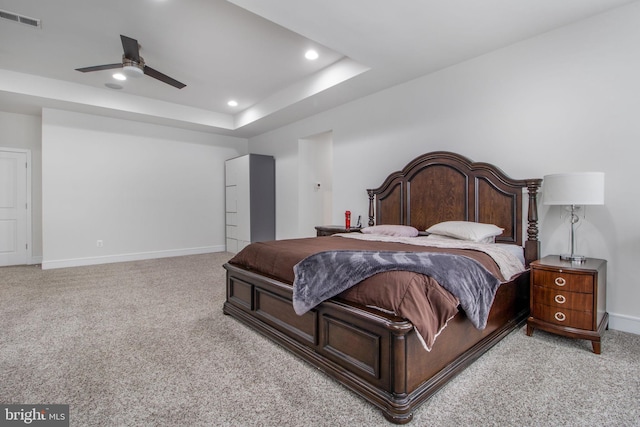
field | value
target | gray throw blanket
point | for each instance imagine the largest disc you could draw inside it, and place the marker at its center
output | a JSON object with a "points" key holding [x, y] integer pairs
{"points": [[326, 274]]}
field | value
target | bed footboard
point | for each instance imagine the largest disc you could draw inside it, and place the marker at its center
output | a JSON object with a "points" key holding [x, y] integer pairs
{"points": [[366, 350]]}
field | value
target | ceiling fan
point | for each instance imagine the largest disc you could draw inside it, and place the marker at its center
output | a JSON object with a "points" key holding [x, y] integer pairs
{"points": [[133, 64]]}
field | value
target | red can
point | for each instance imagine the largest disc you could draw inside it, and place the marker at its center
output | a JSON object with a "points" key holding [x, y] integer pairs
{"points": [[347, 220]]}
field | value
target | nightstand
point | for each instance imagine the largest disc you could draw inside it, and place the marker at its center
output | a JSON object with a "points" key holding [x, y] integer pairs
{"points": [[569, 299], [328, 230]]}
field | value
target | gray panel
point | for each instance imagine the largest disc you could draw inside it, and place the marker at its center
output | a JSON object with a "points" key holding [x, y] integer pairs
{"points": [[263, 197]]}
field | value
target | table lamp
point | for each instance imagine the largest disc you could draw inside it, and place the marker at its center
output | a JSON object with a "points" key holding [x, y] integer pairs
{"points": [[574, 190]]}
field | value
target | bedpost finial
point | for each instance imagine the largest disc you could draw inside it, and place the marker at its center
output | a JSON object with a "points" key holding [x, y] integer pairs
{"points": [[371, 210], [532, 245], [532, 187]]}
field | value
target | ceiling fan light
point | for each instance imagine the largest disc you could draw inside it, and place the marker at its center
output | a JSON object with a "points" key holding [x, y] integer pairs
{"points": [[132, 71]]}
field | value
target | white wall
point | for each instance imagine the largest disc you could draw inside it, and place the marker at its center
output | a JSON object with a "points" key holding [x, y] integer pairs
{"points": [[25, 132], [566, 101], [146, 191]]}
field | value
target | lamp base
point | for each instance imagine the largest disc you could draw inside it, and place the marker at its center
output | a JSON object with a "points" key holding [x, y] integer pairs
{"points": [[573, 258]]}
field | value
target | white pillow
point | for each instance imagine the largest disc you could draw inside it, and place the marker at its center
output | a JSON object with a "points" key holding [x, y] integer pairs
{"points": [[391, 230], [466, 230], [490, 239]]}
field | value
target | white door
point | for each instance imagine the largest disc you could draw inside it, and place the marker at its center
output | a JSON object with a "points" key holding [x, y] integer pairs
{"points": [[13, 208]]}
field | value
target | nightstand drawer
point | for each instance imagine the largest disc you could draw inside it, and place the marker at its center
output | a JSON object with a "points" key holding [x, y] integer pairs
{"points": [[562, 299], [568, 282], [559, 316]]}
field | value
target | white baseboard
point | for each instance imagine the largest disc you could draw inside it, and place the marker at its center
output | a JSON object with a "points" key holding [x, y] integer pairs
{"points": [[35, 260], [624, 323], [78, 262]]}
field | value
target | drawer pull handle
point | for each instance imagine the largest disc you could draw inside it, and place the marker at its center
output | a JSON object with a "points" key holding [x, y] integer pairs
{"points": [[560, 281], [560, 316], [560, 299]]}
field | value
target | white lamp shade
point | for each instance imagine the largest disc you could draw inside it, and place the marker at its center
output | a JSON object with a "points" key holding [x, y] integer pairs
{"points": [[580, 188]]}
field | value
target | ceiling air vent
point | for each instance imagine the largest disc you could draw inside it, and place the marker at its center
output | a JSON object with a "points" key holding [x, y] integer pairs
{"points": [[21, 19]]}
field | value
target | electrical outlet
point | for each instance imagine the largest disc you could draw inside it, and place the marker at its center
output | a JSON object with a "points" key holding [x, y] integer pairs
{"points": [[99, 243]]}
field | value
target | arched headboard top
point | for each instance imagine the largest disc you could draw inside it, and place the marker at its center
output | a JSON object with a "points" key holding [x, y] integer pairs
{"points": [[445, 186]]}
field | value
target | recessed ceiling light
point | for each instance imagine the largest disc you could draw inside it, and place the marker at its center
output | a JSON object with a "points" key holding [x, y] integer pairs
{"points": [[119, 76], [232, 103], [113, 86], [311, 54]]}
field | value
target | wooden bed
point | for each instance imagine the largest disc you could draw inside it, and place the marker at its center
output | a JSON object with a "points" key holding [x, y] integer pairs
{"points": [[377, 355]]}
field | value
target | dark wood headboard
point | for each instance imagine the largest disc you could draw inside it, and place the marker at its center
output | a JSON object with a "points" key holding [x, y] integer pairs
{"points": [[444, 186]]}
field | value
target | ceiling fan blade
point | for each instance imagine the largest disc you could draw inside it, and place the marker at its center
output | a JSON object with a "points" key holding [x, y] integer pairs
{"points": [[130, 46], [100, 67], [162, 77]]}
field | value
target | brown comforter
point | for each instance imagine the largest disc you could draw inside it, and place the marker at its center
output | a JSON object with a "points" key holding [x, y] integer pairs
{"points": [[415, 297]]}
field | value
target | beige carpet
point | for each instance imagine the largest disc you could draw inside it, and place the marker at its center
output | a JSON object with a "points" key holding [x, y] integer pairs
{"points": [[146, 344]]}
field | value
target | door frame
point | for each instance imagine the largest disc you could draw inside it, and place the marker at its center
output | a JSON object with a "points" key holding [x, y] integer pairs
{"points": [[315, 182], [27, 153]]}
